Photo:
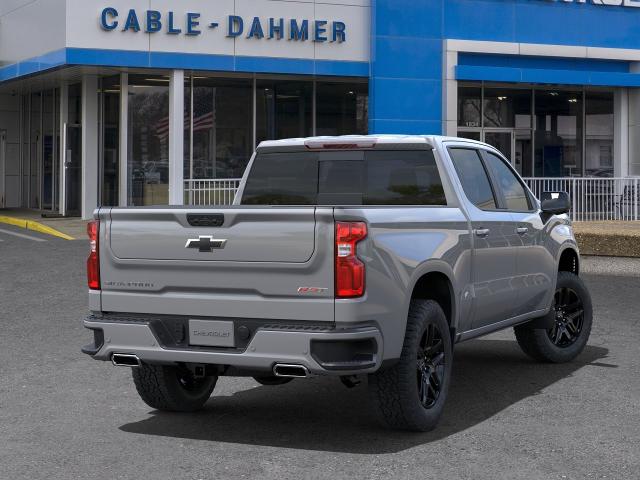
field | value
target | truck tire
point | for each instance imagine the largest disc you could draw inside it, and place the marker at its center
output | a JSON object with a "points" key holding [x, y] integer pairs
{"points": [[272, 380], [573, 320], [411, 394], [172, 388]]}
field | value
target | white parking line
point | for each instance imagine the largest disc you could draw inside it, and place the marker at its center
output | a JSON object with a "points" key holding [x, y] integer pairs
{"points": [[22, 235]]}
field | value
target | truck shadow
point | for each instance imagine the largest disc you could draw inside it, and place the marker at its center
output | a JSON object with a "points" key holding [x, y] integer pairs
{"points": [[320, 414]]}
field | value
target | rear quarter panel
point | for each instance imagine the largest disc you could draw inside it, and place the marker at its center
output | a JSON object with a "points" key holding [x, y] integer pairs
{"points": [[403, 244]]}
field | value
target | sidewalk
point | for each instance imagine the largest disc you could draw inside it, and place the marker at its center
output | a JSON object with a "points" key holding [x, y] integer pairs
{"points": [[75, 228], [612, 239]]}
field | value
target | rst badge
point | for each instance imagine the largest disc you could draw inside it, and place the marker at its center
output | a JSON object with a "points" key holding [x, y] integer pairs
{"points": [[312, 290]]}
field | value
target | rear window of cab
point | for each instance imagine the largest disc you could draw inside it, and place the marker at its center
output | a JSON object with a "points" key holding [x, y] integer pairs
{"points": [[380, 177]]}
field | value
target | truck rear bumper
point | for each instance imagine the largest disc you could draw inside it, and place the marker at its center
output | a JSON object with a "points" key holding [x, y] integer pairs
{"points": [[336, 351]]}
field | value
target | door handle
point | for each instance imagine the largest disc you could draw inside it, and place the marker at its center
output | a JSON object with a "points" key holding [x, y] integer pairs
{"points": [[482, 232], [522, 230]]}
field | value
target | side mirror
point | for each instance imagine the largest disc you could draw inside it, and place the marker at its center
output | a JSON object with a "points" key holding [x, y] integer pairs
{"points": [[555, 203]]}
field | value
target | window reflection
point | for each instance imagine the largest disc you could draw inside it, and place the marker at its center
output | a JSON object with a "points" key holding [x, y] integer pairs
{"points": [[599, 134], [507, 107], [148, 144], [283, 109], [110, 139], [558, 151], [469, 106], [341, 108], [222, 128]]}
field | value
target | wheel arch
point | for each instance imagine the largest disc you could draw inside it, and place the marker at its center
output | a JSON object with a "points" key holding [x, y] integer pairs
{"points": [[569, 260], [434, 282]]}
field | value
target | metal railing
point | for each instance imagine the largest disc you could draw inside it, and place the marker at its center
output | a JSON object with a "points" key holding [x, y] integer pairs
{"points": [[217, 191], [593, 198]]}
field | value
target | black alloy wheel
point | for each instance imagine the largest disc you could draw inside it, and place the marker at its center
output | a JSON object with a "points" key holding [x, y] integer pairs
{"points": [[569, 318], [430, 366], [573, 319]]}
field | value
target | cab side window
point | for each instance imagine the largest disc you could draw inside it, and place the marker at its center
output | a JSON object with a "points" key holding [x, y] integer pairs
{"points": [[515, 196], [473, 177]]}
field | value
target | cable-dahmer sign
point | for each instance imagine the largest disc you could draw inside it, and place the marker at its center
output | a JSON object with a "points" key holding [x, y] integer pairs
{"points": [[191, 23]]}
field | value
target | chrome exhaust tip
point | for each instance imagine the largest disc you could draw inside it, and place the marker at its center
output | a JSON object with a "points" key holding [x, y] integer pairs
{"points": [[125, 360], [290, 371]]}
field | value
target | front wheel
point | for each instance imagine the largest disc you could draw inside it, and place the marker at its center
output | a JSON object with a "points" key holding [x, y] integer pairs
{"points": [[411, 394], [172, 388], [573, 319]]}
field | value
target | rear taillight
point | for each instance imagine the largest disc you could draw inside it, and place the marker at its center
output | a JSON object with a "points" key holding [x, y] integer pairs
{"points": [[93, 262], [349, 268]]}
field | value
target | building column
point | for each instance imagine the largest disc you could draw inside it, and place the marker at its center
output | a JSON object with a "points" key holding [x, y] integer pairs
{"points": [[64, 119], [90, 170], [123, 141], [450, 92], [621, 133], [176, 138]]}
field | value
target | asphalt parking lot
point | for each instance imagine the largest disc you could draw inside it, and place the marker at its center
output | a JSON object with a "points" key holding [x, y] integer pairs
{"points": [[64, 416]]}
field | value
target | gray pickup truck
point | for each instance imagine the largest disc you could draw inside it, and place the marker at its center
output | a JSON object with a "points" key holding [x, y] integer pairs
{"points": [[343, 256]]}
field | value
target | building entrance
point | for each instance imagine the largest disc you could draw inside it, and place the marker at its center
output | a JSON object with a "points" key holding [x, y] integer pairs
{"points": [[514, 144]]}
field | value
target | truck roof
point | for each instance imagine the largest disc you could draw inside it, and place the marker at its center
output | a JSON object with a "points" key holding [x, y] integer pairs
{"points": [[357, 140]]}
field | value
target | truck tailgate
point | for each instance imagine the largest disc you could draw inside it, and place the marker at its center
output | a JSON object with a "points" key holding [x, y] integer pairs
{"points": [[231, 262]]}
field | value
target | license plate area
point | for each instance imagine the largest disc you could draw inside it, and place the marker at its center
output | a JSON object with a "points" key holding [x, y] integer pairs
{"points": [[211, 333]]}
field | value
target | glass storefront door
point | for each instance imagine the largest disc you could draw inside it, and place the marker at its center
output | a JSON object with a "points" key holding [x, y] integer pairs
{"points": [[501, 140], [73, 170]]}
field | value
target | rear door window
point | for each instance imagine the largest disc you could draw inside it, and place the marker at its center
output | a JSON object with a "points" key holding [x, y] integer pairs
{"points": [[473, 177], [402, 177]]}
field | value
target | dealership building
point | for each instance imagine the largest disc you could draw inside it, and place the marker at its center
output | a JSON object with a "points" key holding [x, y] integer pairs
{"points": [[143, 102]]}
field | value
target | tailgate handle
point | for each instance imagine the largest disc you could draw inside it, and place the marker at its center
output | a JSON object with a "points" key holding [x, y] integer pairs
{"points": [[205, 220]]}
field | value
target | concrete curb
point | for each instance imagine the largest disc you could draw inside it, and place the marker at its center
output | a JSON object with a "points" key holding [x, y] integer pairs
{"points": [[35, 226]]}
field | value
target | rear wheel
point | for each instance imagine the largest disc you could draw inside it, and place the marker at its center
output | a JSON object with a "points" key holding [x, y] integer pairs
{"points": [[570, 333], [172, 388], [411, 394]]}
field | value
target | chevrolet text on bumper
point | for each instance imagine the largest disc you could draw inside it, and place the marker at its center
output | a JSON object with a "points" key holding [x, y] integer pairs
{"points": [[353, 257]]}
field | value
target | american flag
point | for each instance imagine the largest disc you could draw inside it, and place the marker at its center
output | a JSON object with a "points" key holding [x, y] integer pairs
{"points": [[203, 122]]}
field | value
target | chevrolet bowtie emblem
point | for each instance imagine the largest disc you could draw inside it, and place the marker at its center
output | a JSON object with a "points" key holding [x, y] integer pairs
{"points": [[205, 243]]}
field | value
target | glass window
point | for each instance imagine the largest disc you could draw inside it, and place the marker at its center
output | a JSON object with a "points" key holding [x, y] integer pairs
{"points": [[75, 104], [222, 128], [558, 135], [34, 140], [148, 145], [514, 193], [599, 134], [283, 109], [48, 150], [403, 178], [471, 135], [507, 108], [473, 177], [110, 89], [282, 179], [469, 106], [346, 178], [341, 108]]}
